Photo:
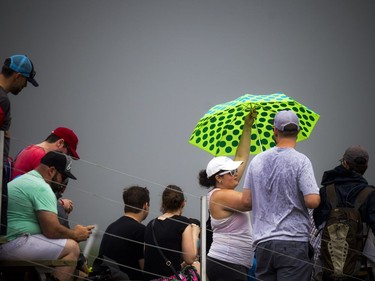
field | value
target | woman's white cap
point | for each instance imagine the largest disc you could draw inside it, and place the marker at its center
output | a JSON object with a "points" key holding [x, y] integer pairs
{"points": [[221, 163]]}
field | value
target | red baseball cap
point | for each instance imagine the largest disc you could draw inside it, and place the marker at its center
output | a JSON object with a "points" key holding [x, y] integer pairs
{"points": [[69, 137]]}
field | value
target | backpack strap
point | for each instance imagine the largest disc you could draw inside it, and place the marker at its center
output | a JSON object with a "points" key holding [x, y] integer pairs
{"points": [[167, 261], [360, 199], [331, 195], [362, 196]]}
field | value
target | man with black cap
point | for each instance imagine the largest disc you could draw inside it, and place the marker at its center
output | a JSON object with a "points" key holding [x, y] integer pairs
{"points": [[16, 71], [348, 183], [280, 186], [34, 232]]}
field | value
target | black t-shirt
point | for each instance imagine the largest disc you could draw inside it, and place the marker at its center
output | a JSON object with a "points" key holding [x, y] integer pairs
{"points": [[5, 119], [168, 234], [127, 248]]}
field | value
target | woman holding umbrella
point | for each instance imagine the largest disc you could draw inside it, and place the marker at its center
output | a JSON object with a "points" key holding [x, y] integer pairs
{"points": [[231, 254]]}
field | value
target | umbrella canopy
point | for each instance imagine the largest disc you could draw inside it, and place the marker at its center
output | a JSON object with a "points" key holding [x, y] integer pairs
{"points": [[219, 130]]}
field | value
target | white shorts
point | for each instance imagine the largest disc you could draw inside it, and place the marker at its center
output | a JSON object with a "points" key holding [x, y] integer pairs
{"points": [[32, 247]]}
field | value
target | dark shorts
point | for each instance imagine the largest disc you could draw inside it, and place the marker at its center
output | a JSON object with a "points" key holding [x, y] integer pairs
{"points": [[218, 270], [283, 260]]}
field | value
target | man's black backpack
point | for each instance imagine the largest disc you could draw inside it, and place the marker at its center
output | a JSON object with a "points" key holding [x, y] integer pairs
{"points": [[106, 269], [343, 236]]}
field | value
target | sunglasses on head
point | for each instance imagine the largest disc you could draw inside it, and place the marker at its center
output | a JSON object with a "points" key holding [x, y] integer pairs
{"points": [[232, 172]]}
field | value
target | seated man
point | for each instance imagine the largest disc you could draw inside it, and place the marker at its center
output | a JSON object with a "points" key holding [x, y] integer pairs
{"points": [[34, 231], [123, 239]]}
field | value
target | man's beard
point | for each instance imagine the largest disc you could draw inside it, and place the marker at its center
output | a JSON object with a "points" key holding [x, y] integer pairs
{"points": [[55, 186], [16, 91], [17, 88]]}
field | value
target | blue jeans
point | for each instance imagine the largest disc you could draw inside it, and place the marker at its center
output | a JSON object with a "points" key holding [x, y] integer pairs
{"points": [[251, 274]]}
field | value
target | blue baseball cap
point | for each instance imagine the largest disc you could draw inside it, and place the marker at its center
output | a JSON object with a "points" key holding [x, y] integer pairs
{"points": [[23, 65]]}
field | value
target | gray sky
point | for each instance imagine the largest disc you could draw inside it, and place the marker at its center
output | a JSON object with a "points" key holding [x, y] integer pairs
{"points": [[132, 79]]}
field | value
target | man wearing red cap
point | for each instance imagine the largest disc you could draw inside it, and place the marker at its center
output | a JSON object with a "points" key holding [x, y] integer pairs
{"points": [[61, 139]]}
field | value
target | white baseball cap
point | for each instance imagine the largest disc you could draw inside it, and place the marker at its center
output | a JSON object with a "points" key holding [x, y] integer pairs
{"points": [[221, 163]]}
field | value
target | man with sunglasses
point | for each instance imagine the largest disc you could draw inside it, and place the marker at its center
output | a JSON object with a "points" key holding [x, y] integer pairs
{"points": [[280, 186], [34, 232], [16, 71]]}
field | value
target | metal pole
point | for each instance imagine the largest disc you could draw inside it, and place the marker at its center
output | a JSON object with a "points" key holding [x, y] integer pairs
{"points": [[203, 237]]}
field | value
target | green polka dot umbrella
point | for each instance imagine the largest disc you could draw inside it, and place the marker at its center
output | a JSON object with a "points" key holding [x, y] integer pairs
{"points": [[219, 130]]}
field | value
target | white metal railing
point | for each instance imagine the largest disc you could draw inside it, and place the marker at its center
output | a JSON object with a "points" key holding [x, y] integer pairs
{"points": [[203, 237]]}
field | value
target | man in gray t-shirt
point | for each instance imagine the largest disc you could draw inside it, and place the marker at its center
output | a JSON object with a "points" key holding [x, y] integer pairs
{"points": [[280, 187]]}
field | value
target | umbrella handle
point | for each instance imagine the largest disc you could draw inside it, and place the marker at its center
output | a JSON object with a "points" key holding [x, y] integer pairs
{"points": [[255, 120], [260, 144]]}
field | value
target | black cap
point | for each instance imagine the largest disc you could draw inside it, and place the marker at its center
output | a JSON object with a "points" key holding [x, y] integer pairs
{"points": [[356, 154], [61, 161]]}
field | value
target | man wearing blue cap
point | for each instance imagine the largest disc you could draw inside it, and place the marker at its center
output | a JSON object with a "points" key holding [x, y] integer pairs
{"points": [[16, 71], [279, 186]]}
